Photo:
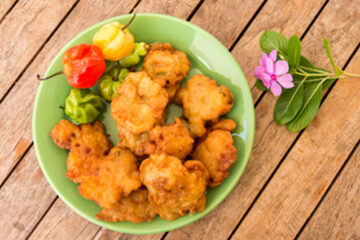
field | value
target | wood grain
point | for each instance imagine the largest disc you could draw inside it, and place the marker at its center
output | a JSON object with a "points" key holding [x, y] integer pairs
{"points": [[180, 9], [338, 216], [287, 17], [16, 109], [268, 137], [225, 19], [5, 7], [24, 199], [63, 223], [23, 31], [310, 167]]}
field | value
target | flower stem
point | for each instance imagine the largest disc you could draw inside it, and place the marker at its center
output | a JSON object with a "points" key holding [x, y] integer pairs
{"points": [[351, 74], [313, 69]]}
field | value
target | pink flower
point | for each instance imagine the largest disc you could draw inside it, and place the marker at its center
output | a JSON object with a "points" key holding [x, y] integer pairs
{"points": [[274, 74]]}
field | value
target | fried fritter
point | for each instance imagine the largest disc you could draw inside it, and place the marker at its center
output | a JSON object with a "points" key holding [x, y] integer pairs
{"points": [[116, 177], [174, 188], [166, 66], [203, 102], [174, 139], [137, 143], [224, 124], [140, 104], [87, 144], [104, 177], [218, 153], [134, 208]]}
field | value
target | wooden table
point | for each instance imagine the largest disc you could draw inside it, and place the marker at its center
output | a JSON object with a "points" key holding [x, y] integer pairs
{"points": [[297, 185]]}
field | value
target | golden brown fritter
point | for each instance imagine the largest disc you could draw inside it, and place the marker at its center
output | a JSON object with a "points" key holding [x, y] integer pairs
{"points": [[174, 139], [166, 66], [87, 143], [116, 177], [203, 102], [174, 188], [134, 208], [137, 143], [218, 153], [104, 177], [224, 124], [140, 104]]}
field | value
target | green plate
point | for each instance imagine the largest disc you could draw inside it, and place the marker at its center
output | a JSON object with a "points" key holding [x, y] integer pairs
{"points": [[207, 56]]}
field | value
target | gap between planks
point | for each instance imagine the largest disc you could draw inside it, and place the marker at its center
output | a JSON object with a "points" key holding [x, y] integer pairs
{"points": [[289, 150], [235, 42], [328, 189], [38, 51]]}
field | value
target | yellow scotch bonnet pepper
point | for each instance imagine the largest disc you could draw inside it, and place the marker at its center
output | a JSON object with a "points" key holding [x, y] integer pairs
{"points": [[114, 40]]}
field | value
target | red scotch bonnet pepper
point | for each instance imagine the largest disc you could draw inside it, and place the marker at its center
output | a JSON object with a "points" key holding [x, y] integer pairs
{"points": [[83, 64]]}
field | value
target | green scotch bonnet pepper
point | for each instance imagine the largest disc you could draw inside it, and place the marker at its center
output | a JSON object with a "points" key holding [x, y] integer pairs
{"points": [[83, 106], [140, 49], [110, 81]]}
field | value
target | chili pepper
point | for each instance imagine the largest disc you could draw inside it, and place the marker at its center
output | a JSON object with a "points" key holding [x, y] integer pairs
{"points": [[111, 81], [115, 40], [83, 106], [83, 66], [140, 49]]}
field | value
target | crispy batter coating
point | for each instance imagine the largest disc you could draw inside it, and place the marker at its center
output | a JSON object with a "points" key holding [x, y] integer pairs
{"points": [[137, 143], [87, 144], [116, 177], [174, 188], [105, 177], [218, 153], [174, 139], [140, 104], [224, 124], [134, 208], [203, 101], [166, 66]]}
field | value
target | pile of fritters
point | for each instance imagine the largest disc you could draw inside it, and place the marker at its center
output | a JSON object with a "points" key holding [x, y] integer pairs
{"points": [[156, 169]]}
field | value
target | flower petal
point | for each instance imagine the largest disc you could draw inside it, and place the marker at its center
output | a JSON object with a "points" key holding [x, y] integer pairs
{"points": [[262, 59], [273, 54], [258, 71], [275, 89], [266, 79], [286, 81], [269, 65], [281, 67]]}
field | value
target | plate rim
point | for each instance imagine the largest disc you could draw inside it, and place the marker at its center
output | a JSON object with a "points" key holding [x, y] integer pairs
{"points": [[244, 91]]}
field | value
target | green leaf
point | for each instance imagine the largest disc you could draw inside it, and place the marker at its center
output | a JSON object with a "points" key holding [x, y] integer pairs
{"points": [[294, 51], [260, 85], [306, 63], [312, 99], [337, 70], [328, 84], [271, 40], [289, 103]]}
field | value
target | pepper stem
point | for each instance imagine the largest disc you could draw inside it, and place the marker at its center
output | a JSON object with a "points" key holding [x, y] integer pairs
{"points": [[46, 78], [130, 21]]}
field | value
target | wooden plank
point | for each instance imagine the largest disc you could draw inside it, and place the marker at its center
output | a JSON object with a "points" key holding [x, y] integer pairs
{"points": [[266, 152], [302, 179], [338, 216], [110, 235], [225, 19], [84, 15], [24, 199], [5, 7], [63, 223], [180, 9], [23, 31], [16, 109]]}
